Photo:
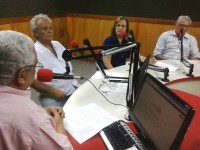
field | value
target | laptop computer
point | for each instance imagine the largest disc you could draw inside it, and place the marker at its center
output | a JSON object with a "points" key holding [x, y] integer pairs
{"points": [[160, 116]]}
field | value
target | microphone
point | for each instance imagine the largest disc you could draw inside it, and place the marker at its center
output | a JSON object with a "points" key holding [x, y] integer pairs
{"points": [[180, 34], [124, 36], [74, 44], [46, 75]]}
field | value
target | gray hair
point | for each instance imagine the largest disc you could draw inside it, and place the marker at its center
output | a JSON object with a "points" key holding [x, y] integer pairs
{"points": [[34, 21], [184, 18], [16, 51]]}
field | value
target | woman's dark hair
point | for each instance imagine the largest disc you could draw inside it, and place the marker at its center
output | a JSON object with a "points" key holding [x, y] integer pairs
{"points": [[113, 33]]}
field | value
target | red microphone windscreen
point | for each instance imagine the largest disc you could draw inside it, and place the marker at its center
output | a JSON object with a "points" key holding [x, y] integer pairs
{"points": [[123, 34], [45, 75], [178, 33], [74, 44]]}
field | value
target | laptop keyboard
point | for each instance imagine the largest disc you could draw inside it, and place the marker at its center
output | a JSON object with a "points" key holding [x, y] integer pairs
{"points": [[118, 136]]}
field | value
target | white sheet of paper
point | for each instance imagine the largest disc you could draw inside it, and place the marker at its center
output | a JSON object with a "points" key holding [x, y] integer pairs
{"points": [[164, 65], [118, 87], [87, 121], [98, 75]]}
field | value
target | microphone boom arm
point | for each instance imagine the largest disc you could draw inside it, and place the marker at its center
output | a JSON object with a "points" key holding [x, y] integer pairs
{"points": [[189, 65], [159, 69], [185, 62]]}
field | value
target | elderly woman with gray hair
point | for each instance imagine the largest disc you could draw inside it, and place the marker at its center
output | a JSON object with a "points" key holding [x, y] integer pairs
{"points": [[49, 53], [24, 124]]}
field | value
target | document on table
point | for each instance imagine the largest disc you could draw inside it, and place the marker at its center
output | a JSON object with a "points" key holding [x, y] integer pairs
{"points": [[118, 87], [164, 65], [87, 121]]}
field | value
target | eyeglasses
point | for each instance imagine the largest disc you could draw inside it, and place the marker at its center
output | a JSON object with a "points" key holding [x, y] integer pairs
{"points": [[38, 67], [118, 25], [183, 25]]}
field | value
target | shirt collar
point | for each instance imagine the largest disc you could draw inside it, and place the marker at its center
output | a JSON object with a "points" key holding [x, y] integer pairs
{"points": [[186, 36], [43, 49], [10, 90]]}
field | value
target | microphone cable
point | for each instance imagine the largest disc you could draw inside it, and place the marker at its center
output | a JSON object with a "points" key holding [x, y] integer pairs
{"points": [[104, 95]]}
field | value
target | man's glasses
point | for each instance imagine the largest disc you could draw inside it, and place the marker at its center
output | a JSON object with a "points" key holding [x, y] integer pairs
{"points": [[183, 25], [38, 67], [33, 66]]}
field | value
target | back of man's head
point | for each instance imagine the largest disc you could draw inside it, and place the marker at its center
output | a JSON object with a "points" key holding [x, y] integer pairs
{"points": [[16, 51]]}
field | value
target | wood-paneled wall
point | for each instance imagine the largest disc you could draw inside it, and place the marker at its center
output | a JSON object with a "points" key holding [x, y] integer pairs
{"points": [[96, 28]]}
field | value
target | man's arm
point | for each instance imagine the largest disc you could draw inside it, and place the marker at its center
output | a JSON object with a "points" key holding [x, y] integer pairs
{"points": [[195, 54], [47, 90], [159, 48]]}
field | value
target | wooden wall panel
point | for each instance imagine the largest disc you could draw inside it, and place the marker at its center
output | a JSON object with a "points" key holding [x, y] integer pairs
{"points": [[96, 29], [148, 35], [60, 30], [5, 27], [23, 27]]}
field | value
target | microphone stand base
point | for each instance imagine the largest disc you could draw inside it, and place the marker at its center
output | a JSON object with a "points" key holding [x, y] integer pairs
{"points": [[127, 117], [190, 75], [165, 80]]}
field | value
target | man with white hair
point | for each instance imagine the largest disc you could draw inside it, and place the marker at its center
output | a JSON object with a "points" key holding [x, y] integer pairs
{"points": [[49, 53], [169, 42], [25, 125]]}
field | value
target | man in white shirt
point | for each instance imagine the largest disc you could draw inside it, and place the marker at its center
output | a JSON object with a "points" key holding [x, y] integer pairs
{"points": [[169, 43], [49, 54]]}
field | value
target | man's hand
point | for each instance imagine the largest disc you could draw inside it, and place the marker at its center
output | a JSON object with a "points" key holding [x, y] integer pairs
{"points": [[152, 61], [52, 109], [58, 114]]}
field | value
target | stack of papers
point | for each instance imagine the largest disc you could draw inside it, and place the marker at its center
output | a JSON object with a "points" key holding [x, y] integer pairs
{"points": [[87, 121]]}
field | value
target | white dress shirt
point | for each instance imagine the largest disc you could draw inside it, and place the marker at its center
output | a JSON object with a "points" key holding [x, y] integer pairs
{"points": [[57, 65], [169, 46]]}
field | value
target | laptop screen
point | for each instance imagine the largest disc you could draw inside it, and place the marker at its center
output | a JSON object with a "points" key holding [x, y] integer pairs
{"points": [[140, 76], [136, 81], [161, 117]]}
